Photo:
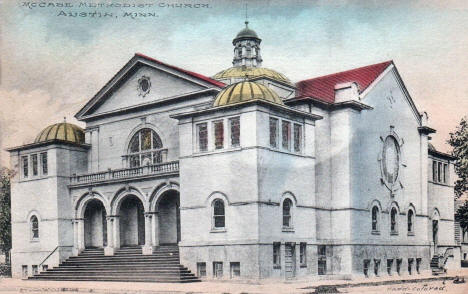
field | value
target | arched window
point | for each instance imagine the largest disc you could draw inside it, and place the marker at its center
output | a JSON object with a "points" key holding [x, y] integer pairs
{"points": [[410, 221], [393, 222], [375, 216], [34, 223], [218, 214], [145, 148], [287, 204]]}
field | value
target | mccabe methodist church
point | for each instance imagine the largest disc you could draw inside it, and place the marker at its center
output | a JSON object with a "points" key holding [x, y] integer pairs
{"points": [[180, 177]]}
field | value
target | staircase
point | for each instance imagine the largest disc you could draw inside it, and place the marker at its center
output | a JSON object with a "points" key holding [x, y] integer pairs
{"points": [[127, 265], [435, 267]]}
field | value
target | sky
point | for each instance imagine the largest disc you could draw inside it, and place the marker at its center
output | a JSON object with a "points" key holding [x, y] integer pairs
{"points": [[52, 63]]}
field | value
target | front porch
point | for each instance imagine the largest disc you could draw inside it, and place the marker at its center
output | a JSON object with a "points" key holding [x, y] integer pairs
{"points": [[126, 208]]}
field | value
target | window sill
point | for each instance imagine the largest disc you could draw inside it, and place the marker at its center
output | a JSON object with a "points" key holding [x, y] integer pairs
{"points": [[375, 232], [289, 230], [215, 151], [303, 266], [393, 233], [277, 267], [34, 240], [411, 234], [223, 230]]}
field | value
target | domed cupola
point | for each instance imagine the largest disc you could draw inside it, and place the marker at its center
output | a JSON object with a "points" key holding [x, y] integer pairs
{"points": [[247, 48], [246, 91], [63, 131]]}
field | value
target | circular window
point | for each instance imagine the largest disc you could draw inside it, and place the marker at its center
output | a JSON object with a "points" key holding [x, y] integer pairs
{"points": [[390, 160], [144, 85]]}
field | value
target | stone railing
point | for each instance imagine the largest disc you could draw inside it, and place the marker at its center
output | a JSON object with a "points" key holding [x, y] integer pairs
{"points": [[125, 173]]}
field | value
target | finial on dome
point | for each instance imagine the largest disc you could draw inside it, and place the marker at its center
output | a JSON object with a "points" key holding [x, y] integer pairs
{"points": [[64, 119]]}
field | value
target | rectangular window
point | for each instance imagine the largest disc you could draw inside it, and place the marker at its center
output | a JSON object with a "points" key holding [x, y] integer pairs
{"points": [[25, 166], [45, 267], [389, 266], [418, 265], [286, 134], [376, 267], [434, 171], [303, 254], [34, 164], [445, 173], [322, 260], [276, 255], [24, 271], [234, 127], [410, 266], [398, 265], [35, 270], [217, 269], [219, 134], [439, 172], [201, 269], [45, 168], [202, 136], [297, 138], [235, 270], [273, 132], [366, 267]]}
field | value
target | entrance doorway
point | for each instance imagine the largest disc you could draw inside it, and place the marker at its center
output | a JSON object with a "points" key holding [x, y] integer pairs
{"points": [[169, 218], [290, 260], [95, 225], [132, 222]]}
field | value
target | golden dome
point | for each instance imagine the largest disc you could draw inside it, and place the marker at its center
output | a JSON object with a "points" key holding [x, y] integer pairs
{"points": [[246, 91], [251, 72], [63, 132]]}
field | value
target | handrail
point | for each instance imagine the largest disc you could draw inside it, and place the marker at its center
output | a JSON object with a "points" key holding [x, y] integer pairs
{"points": [[53, 251]]}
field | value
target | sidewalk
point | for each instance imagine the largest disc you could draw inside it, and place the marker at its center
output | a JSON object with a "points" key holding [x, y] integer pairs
{"points": [[228, 286]]}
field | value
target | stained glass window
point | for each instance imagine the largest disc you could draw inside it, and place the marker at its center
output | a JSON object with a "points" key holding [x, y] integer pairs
{"points": [[286, 128], [45, 168], [273, 132], [219, 134], [297, 137], [202, 133], [391, 159], [145, 148], [234, 124], [34, 164], [218, 213]]}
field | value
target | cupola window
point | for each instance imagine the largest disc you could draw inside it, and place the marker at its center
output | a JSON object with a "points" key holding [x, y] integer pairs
{"points": [[34, 164], [145, 148], [286, 128], [45, 168], [25, 166], [202, 137], [273, 132], [219, 134], [234, 126]]}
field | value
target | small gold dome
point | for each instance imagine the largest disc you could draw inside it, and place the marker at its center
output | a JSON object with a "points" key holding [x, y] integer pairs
{"points": [[63, 132], [251, 72], [246, 91]]}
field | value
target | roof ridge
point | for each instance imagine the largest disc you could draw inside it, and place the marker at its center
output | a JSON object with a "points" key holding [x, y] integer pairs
{"points": [[347, 71], [194, 74]]}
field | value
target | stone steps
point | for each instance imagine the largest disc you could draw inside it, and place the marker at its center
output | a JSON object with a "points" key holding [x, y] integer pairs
{"points": [[127, 265]]}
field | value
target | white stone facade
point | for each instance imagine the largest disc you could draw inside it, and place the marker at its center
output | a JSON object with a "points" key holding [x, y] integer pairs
{"points": [[94, 196]]}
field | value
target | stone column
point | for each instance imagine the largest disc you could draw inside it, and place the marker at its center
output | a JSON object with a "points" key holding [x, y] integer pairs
{"points": [[155, 228], [75, 238], [148, 247], [116, 232], [80, 234], [109, 249]]}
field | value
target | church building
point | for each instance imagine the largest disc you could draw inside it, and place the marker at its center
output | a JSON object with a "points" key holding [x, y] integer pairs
{"points": [[179, 177]]}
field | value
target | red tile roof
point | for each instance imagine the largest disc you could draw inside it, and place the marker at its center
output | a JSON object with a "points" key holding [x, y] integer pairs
{"points": [[190, 73], [323, 88]]}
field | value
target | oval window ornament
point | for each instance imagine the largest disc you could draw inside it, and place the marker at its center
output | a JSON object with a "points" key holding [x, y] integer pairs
{"points": [[144, 85]]}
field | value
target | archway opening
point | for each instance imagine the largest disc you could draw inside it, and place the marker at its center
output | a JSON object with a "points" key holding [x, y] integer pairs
{"points": [[169, 218], [132, 222], [95, 225]]}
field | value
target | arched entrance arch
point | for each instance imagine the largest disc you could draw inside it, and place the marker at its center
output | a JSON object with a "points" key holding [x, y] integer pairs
{"points": [[167, 207], [130, 210], [95, 225]]}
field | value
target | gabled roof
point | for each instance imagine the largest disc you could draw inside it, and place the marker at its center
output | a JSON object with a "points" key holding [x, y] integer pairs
{"points": [[323, 88], [139, 58], [190, 73]]}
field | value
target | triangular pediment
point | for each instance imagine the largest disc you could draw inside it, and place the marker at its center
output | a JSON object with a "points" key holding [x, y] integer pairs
{"points": [[162, 81]]}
